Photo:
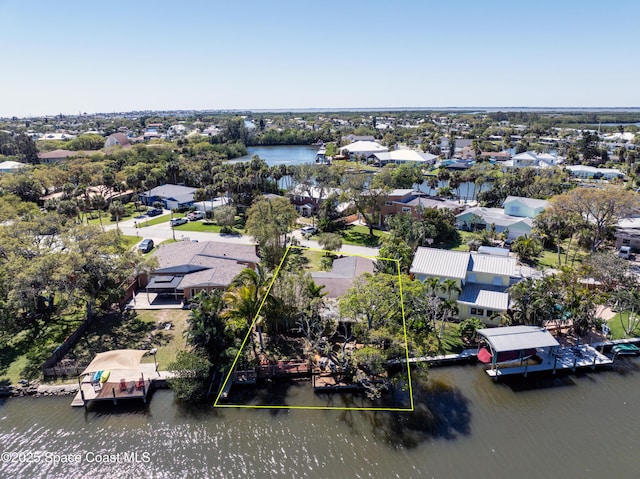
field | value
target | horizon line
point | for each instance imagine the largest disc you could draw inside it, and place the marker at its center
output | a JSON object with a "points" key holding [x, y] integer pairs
{"points": [[488, 109]]}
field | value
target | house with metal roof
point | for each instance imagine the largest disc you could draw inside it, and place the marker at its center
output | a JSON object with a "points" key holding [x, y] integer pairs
{"points": [[483, 279]]}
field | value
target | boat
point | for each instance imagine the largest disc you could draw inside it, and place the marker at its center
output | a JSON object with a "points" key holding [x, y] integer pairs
{"points": [[626, 350], [104, 377], [96, 376], [505, 357]]}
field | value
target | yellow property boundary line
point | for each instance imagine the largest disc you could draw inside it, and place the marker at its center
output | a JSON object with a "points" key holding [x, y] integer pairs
{"points": [[250, 329]]}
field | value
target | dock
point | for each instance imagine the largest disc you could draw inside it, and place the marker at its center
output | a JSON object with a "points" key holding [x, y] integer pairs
{"points": [[563, 359], [136, 386], [467, 355], [330, 383]]}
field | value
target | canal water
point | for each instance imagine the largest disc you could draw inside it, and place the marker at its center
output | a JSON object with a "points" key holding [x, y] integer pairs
{"points": [[465, 425], [281, 155]]}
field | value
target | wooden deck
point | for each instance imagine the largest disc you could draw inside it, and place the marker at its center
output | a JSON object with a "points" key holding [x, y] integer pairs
{"points": [[571, 358], [443, 359], [283, 369], [112, 390], [331, 383]]}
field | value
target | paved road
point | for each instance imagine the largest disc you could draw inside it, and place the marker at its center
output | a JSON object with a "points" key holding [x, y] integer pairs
{"points": [[161, 232]]}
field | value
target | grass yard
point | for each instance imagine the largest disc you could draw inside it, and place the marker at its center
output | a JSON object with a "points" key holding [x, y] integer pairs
{"points": [[135, 330], [22, 356], [617, 332], [359, 235], [130, 241], [200, 226], [314, 259], [156, 220]]}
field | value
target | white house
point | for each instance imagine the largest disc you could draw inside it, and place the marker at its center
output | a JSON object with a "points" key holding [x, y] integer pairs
{"points": [[516, 216], [11, 166], [532, 160], [363, 149], [483, 279], [590, 172], [404, 156]]}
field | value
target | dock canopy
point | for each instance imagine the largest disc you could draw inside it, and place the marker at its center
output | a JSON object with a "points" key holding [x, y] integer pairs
{"points": [[517, 338], [117, 360]]}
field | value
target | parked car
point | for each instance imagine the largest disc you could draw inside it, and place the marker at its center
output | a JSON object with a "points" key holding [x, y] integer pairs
{"points": [[624, 252], [308, 230], [146, 245], [196, 215], [154, 211], [177, 222]]}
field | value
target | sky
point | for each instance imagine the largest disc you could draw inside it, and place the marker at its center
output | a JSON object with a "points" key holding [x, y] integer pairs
{"points": [[80, 56]]}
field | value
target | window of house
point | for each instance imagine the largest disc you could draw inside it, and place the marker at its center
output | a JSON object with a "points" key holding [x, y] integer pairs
{"points": [[476, 311], [497, 281], [626, 241], [388, 203], [471, 278], [514, 209], [406, 209]]}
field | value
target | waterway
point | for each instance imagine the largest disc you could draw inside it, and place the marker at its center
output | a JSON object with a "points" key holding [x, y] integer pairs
{"points": [[465, 425], [281, 155]]}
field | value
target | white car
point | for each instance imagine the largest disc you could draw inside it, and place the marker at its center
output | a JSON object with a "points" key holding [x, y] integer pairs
{"points": [[196, 215], [308, 230]]}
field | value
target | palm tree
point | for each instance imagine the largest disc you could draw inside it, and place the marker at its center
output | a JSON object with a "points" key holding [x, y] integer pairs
{"points": [[245, 300], [117, 211], [433, 284], [449, 286], [99, 203]]}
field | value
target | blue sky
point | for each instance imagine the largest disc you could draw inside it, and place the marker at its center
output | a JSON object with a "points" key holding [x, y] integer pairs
{"points": [[81, 56]]}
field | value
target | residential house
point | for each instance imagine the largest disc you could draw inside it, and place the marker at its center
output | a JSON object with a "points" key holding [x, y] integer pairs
{"points": [[343, 272], [591, 172], [532, 159], [306, 201], [483, 279], [362, 149], [353, 138], [117, 139], [11, 166], [408, 201], [628, 233], [185, 268], [59, 155], [172, 196], [516, 216], [403, 156]]}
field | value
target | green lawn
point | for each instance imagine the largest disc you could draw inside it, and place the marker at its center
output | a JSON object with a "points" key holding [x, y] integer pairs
{"points": [[549, 257], [130, 241], [159, 219], [616, 328], [23, 355], [313, 258], [200, 226], [359, 235]]}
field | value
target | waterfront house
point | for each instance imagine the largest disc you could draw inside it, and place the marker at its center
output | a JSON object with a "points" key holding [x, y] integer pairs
{"points": [[186, 268], [483, 279], [403, 156], [362, 149]]}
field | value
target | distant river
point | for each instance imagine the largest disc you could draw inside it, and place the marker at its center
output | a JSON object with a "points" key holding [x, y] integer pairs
{"points": [[281, 155], [465, 426]]}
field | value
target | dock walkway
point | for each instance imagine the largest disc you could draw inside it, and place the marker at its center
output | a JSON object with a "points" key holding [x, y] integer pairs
{"points": [[443, 359], [577, 357]]}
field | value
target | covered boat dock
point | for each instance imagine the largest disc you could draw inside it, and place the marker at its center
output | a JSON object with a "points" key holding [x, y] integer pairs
{"points": [[514, 344], [127, 378]]}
